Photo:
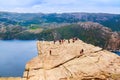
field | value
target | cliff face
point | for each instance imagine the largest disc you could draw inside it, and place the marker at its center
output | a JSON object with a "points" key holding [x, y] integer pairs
{"points": [[72, 61], [114, 42]]}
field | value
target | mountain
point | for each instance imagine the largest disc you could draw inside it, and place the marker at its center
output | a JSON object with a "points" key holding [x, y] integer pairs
{"points": [[27, 19], [89, 32], [93, 33]]}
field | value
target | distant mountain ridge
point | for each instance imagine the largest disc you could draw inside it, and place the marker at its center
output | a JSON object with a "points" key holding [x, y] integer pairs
{"points": [[27, 19], [98, 29]]}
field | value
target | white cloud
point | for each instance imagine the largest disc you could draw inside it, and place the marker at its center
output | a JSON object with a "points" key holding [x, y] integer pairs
{"points": [[52, 6], [60, 2]]}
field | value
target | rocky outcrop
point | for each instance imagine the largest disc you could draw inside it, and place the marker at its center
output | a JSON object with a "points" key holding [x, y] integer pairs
{"points": [[114, 42], [72, 61]]}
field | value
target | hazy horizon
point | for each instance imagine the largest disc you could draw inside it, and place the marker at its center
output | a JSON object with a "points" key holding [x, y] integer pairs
{"points": [[56, 12], [62, 6]]}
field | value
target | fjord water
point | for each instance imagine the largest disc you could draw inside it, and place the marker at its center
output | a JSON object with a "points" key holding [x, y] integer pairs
{"points": [[14, 55], [117, 52]]}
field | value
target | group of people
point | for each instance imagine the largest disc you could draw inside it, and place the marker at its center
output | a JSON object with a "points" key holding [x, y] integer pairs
{"points": [[61, 41], [74, 39], [69, 41], [81, 52]]}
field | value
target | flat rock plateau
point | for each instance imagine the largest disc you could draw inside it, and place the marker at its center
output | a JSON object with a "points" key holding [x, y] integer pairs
{"points": [[72, 60]]}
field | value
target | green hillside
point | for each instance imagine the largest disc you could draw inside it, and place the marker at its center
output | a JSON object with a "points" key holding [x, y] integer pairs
{"points": [[27, 19]]}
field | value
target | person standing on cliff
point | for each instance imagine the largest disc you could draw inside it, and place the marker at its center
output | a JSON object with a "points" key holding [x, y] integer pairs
{"points": [[60, 41], [50, 52], [54, 41], [73, 40], [68, 41], [81, 52]]}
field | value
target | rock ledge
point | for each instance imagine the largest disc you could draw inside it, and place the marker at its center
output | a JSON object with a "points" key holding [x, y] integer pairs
{"points": [[65, 61]]}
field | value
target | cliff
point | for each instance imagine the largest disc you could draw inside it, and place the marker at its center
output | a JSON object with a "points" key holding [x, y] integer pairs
{"points": [[114, 42], [70, 60]]}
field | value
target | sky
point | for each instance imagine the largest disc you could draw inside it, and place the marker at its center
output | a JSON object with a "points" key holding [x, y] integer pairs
{"points": [[60, 6]]}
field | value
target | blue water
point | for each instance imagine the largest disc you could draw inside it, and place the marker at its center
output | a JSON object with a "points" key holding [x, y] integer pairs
{"points": [[14, 55], [117, 52]]}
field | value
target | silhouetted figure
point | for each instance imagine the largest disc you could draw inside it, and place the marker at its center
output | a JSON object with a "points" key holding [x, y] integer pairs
{"points": [[60, 41], [73, 40], [76, 38], [81, 51], [54, 41], [68, 41], [50, 52]]}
